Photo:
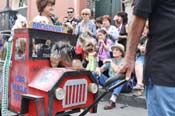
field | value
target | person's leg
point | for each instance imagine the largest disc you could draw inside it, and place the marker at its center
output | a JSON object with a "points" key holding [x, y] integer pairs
{"points": [[166, 100], [117, 90], [94, 74], [111, 103], [139, 87], [139, 72], [152, 105], [100, 79], [114, 96], [160, 100]]}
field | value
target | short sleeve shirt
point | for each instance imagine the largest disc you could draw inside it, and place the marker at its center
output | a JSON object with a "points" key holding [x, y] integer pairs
{"points": [[89, 25], [106, 66], [102, 52], [160, 51]]}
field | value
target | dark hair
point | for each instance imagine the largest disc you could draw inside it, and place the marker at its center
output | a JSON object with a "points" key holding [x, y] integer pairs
{"points": [[71, 8], [41, 4], [124, 16], [103, 31], [98, 20], [107, 17]]}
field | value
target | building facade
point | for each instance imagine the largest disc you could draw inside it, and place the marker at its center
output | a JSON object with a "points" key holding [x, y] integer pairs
{"points": [[28, 7]]}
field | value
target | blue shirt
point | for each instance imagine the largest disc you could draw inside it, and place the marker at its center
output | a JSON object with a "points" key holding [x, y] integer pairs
{"points": [[89, 25], [106, 66]]}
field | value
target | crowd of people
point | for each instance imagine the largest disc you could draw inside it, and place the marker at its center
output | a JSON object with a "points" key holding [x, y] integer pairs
{"points": [[100, 44]]}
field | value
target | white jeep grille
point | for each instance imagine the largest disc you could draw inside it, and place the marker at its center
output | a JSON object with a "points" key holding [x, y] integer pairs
{"points": [[76, 92]]}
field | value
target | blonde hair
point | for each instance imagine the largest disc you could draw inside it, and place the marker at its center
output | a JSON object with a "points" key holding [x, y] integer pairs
{"points": [[86, 10]]}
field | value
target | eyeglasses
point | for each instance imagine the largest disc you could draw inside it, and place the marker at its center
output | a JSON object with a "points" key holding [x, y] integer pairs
{"points": [[69, 12], [85, 14]]}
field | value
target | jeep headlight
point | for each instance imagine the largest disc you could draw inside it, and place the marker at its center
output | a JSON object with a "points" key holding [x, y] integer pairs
{"points": [[93, 88], [60, 94]]}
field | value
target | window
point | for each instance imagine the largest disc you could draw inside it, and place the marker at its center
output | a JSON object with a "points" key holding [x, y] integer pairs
{"points": [[17, 4], [22, 3], [20, 53], [41, 48]]}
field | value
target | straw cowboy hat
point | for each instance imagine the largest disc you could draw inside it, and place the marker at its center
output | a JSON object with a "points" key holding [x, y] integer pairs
{"points": [[120, 46]]}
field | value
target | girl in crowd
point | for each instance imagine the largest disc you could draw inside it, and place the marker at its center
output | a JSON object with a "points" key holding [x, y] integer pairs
{"points": [[103, 46], [98, 23]]}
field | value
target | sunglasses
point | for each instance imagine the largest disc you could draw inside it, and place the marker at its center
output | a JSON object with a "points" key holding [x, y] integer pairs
{"points": [[85, 14], [69, 12]]}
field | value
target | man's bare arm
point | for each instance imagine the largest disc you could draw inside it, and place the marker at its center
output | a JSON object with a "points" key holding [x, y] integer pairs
{"points": [[135, 31]]}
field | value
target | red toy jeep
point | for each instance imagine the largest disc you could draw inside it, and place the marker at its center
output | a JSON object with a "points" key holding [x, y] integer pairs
{"points": [[37, 89]]}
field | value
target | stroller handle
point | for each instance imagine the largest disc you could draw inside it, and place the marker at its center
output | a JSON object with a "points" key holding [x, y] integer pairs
{"points": [[119, 76]]}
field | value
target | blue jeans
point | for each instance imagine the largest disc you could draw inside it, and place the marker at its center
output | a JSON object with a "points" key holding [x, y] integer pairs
{"points": [[101, 80], [160, 100]]}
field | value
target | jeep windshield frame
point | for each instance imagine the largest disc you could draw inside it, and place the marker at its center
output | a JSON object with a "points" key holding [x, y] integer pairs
{"points": [[40, 37]]}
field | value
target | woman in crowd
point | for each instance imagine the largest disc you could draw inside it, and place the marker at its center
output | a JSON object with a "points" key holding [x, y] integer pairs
{"points": [[45, 9], [112, 65], [86, 27], [123, 18], [84, 30], [112, 31]]}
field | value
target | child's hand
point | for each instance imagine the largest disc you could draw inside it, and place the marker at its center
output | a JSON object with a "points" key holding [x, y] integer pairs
{"points": [[101, 40]]}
